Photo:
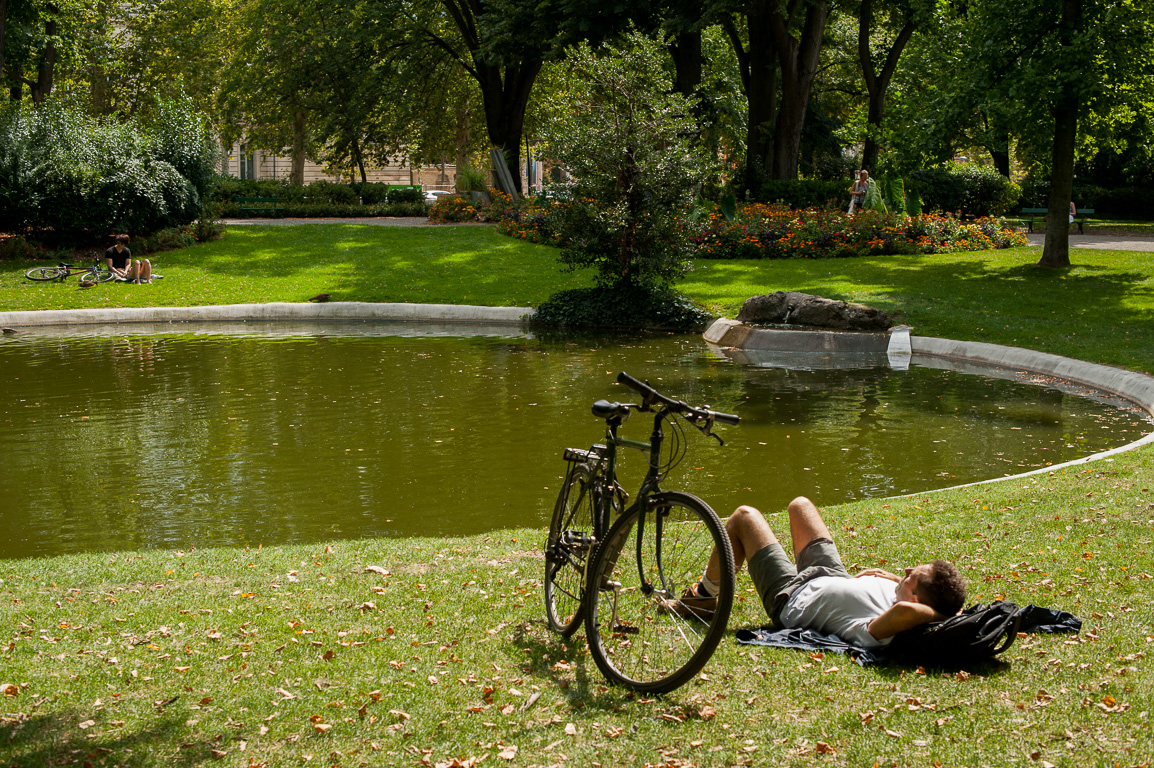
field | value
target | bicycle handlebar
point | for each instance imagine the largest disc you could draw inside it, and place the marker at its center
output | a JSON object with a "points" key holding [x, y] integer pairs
{"points": [[650, 395]]}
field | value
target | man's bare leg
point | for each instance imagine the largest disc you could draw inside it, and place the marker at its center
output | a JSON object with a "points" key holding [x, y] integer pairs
{"points": [[805, 525], [749, 532]]}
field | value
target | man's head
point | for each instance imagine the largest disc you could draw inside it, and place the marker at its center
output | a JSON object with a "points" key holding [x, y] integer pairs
{"points": [[122, 239], [938, 585]]}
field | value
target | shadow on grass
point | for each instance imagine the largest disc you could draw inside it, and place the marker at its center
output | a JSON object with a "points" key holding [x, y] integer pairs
{"points": [[57, 739]]}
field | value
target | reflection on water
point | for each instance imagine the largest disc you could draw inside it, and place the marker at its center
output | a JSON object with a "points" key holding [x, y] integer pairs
{"points": [[181, 440]]}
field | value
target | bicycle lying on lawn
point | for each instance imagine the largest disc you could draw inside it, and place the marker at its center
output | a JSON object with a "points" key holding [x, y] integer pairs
{"points": [[624, 580], [93, 274]]}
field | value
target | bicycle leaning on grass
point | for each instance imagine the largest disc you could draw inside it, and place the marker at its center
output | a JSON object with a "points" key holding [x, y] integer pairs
{"points": [[94, 274], [623, 580]]}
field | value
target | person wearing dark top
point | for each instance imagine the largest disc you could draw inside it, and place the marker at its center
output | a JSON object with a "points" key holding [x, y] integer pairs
{"points": [[120, 262]]}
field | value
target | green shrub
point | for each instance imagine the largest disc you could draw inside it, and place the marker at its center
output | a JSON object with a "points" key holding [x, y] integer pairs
{"points": [[966, 189], [69, 177], [805, 193], [16, 247], [622, 305], [470, 179], [182, 137], [371, 192], [405, 195], [635, 161]]}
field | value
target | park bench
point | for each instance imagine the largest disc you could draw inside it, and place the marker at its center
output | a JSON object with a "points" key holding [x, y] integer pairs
{"points": [[265, 206], [1031, 215]]}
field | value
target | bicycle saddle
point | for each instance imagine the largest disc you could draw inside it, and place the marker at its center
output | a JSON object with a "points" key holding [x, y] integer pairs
{"points": [[603, 409]]}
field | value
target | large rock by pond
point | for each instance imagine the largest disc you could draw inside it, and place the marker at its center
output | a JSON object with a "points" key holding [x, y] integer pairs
{"points": [[793, 308]]}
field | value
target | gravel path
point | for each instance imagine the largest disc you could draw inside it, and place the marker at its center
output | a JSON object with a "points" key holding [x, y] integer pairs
{"points": [[1104, 242]]}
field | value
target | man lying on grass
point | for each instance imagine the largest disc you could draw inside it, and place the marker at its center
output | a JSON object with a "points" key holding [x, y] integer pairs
{"points": [[818, 593]]}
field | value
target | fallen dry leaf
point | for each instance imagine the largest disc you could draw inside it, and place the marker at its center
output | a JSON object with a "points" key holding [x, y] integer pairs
{"points": [[570, 729], [824, 749], [322, 727], [508, 753]]}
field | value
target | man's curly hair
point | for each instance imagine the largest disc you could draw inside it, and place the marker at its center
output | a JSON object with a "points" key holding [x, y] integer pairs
{"points": [[944, 590]]}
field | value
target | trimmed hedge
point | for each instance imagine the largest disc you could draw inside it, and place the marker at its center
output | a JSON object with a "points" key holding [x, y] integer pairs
{"points": [[228, 188], [968, 190], [974, 191], [1120, 202], [233, 210], [805, 193]]}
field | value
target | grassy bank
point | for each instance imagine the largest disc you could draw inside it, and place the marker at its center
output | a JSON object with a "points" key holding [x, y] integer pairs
{"points": [[427, 652], [293, 655]]}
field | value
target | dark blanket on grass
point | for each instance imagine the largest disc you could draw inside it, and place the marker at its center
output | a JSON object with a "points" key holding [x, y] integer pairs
{"points": [[1033, 619]]}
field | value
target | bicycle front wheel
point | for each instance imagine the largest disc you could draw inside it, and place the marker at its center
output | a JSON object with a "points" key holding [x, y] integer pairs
{"points": [[640, 634], [102, 275], [567, 550], [45, 273]]}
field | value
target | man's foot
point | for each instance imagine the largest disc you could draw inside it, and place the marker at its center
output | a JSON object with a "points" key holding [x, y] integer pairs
{"points": [[694, 604]]}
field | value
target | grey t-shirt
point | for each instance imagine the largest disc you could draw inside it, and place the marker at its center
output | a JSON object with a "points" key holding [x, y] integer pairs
{"points": [[841, 606]]}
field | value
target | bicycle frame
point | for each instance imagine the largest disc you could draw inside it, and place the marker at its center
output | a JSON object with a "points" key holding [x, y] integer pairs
{"points": [[650, 485]]}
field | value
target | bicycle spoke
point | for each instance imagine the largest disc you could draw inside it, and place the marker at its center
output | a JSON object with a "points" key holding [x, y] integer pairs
{"points": [[640, 637]]}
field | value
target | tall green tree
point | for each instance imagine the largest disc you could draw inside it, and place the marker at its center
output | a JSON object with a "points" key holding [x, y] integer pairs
{"points": [[885, 27], [1061, 64]]}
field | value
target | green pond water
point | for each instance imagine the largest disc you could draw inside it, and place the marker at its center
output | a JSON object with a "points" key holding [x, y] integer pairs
{"points": [[118, 440]]}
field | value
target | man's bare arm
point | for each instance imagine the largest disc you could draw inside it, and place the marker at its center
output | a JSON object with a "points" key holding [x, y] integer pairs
{"points": [[900, 617], [880, 573]]}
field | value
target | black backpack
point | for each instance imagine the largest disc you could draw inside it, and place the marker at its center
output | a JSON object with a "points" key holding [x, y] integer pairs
{"points": [[977, 634]]}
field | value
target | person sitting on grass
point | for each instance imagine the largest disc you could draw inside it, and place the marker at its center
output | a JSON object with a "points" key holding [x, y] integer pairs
{"points": [[123, 268], [818, 593]]}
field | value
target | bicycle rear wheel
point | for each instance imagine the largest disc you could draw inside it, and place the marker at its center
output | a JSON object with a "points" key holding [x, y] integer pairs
{"points": [[637, 637], [567, 550], [46, 273]]}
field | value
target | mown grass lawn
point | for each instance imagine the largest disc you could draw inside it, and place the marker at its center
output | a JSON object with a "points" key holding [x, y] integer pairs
{"points": [[255, 264], [439, 655]]}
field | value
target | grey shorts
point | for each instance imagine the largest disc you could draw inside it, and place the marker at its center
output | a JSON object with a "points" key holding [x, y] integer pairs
{"points": [[777, 578]]}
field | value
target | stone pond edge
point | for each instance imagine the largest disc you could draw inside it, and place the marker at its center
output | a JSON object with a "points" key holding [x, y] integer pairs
{"points": [[1137, 388]]}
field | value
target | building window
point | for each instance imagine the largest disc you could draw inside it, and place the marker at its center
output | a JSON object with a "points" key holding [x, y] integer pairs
{"points": [[246, 168]]}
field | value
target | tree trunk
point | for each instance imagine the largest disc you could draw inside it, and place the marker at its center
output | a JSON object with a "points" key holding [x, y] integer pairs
{"points": [[758, 65], [506, 97], [877, 83], [999, 150], [47, 68], [1056, 252], [358, 160], [297, 174], [464, 135], [799, 59], [3, 24], [686, 52]]}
